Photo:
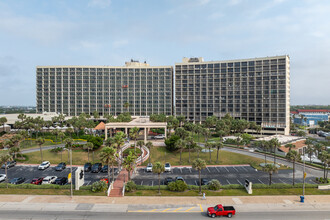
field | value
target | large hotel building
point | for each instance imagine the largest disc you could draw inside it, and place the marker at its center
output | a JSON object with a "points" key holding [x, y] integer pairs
{"points": [[255, 89], [136, 88], [252, 89]]}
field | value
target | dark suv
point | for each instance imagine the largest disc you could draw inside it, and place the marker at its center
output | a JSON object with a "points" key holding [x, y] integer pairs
{"points": [[96, 167], [9, 164], [61, 181], [104, 169], [87, 167], [60, 166]]}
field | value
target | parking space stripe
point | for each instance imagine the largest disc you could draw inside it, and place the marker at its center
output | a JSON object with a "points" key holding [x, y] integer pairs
{"points": [[217, 169], [260, 181], [196, 183], [208, 169], [189, 169], [245, 169], [227, 169], [141, 182], [239, 182], [235, 169], [282, 181], [228, 181]]}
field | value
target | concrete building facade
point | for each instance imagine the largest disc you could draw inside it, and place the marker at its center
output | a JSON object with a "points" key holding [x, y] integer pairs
{"points": [[252, 89], [137, 88]]}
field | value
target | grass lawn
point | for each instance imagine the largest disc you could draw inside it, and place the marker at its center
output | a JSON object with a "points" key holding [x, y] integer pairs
{"points": [[79, 157], [231, 192], [49, 192], [225, 158]]}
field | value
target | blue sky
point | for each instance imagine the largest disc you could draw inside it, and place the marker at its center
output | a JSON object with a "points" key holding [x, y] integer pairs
{"points": [[110, 32]]}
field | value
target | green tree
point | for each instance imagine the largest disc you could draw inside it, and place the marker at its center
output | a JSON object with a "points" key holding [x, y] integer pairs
{"points": [[275, 144], [129, 163], [140, 143], [180, 144], [181, 119], [40, 141], [55, 132], [15, 151], [134, 134], [149, 145], [4, 158], [210, 146], [96, 115], [158, 168], [118, 142], [218, 146], [199, 165], [190, 145], [3, 121], [324, 156], [108, 155], [290, 146], [270, 169], [126, 105], [293, 156], [88, 146], [68, 145]]}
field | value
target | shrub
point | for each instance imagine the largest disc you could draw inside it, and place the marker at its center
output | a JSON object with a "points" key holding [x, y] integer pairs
{"points": [[214, 185], [130, 186], [100, 186], [56, 149], [178, 186], [170, 142]]}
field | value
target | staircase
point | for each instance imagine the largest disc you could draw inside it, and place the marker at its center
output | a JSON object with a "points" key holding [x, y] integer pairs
{"points": [[118, 185]]}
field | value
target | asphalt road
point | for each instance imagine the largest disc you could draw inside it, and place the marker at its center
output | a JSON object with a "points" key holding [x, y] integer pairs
{"points": [[49, 215], [30, 172], [225, 174]]}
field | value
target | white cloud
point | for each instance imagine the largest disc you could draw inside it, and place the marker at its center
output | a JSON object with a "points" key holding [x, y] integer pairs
{"points": [[99, 3]]}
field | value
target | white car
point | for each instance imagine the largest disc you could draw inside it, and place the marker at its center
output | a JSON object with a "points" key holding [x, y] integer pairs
{"points": [[49, 179], [167, 167], [149, 167], [160, 136], [44, 165], [2, 177]]}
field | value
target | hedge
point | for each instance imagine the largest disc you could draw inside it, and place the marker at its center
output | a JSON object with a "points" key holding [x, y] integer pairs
{"points": [[33, 186]]}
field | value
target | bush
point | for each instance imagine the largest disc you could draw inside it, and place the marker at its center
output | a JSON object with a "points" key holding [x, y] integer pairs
{"points": [[56, 149], [100, 186], [170, 142], [214, 185], [130, 186], [178, 186]]}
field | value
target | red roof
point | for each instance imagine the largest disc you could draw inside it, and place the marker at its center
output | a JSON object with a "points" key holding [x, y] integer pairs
{"points": [[100, 126], [313, 110], [294, 112]]}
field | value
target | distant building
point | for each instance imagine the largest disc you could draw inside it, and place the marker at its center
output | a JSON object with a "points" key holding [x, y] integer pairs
{"points": [[137, 88], [310, 117], [255, 89]]}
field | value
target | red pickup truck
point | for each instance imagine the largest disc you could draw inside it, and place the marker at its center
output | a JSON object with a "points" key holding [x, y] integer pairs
{"points": [[220, 210]]}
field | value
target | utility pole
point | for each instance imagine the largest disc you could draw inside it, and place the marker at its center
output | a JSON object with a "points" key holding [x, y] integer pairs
{"points": [[71, 191], [304, 174]]}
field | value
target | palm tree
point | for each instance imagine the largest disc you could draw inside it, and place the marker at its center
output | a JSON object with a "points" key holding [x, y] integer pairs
{"points": [[293, 156], [324, 156], [68, 144], [126, 105], [4, 158], [69, 131], [198, 165], [40, 141], [180, 144], [61, 135], [55, 132], [129, 163], [275, 143], [134, 134], [88, 146], [149, 145], [15, 151], [140, 143], [206, 133], [3, 121], [158, 168], [309, 150], [290, 146], [118, 142], [190, 144], [108, 156], [209, 146], [270, 168], [219, 145]]}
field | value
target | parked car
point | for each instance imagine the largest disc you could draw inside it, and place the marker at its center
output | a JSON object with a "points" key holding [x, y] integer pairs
{"points": [[168, 180], [9, 164], [61, 181], [2, 177], [104, 169], [44, 165], [60, 166], [149, 167], [204, 181], [49, 179], [180, 178], [37, 181], [96, 167], [167, 167], [220, 210], [87, 167], [160, 136], [18, 180]]}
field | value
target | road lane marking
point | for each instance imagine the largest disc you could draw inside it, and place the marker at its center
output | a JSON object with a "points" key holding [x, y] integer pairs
{"points": [[177, 209], [189, 209], [166, 210], [200, 206]]}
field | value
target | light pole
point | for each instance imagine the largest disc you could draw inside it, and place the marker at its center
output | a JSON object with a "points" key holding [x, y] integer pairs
{"points": [[71, 191], [304, 175]]}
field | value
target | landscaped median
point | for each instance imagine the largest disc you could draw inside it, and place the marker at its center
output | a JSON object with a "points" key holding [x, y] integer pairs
{"points": [[230, 190]]}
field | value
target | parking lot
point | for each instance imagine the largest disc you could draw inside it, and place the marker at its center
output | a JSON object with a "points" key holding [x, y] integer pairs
{"points": [[30, 172], [225, 174]]}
